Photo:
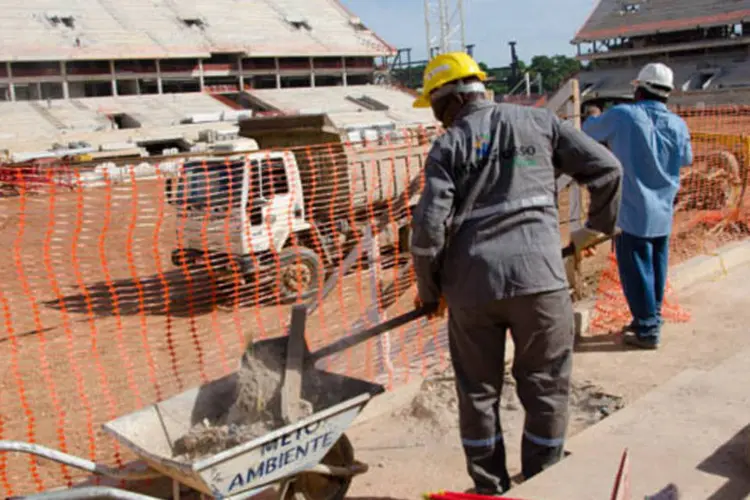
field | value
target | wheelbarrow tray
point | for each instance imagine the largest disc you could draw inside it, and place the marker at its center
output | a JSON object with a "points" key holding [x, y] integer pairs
{"points": [[247, 469]]}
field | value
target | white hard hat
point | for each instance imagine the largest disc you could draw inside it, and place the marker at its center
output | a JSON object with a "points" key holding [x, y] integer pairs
{"points": [[657, 78]]}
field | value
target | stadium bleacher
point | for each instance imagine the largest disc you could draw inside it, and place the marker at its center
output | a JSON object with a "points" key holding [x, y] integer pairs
{"points": [[705, 42], [335, 99], [36, 125], [56, 30], [68, 61]]}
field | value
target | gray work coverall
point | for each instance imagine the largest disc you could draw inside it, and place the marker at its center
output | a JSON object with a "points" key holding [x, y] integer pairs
{"points": [[502, 269]]}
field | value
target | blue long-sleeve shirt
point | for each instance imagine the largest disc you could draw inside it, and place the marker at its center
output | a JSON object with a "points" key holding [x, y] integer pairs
{"points": [[653, 144]]}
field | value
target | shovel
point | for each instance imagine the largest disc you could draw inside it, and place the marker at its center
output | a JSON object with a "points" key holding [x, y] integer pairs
{"points": [[296, 357]]}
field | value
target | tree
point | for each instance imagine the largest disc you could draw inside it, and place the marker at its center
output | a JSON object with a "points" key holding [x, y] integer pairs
{"points": [[553, 70]]}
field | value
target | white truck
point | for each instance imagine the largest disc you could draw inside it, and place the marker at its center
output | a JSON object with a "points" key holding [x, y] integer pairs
{"points": [[287, 214]]}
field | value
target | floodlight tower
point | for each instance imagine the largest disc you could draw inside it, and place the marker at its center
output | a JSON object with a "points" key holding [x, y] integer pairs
{"points": [[444, 26]]}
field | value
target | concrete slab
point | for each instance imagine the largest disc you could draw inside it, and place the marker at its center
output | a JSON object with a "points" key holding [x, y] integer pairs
{"points": [[695, 270], [688, 431], [709, 266]]}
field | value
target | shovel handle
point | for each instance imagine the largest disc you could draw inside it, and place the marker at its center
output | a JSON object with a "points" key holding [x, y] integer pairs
{"points": [[365, 335], [358, 338], [569, 250]]}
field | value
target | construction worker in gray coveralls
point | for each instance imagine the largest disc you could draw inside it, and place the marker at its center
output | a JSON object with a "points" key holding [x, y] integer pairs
{"points": [[486, 246]]}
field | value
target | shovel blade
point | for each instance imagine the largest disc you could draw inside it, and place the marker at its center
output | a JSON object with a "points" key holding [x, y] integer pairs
{"points": [[296, 352]]}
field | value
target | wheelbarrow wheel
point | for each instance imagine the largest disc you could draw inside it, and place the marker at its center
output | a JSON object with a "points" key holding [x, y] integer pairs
{"points": [[311, 486]]}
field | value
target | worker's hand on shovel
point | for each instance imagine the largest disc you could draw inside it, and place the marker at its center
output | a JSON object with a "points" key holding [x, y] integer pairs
{"points": [[588, 252], [584, 240], [437, 311]]}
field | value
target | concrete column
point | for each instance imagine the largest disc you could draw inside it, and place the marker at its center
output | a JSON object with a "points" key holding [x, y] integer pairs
{"points": [[312, 73], [345, 75], [11, 88], [240, 69], [114, 77], [159, 86], [278, 73], [64, 74], [200, 74]]}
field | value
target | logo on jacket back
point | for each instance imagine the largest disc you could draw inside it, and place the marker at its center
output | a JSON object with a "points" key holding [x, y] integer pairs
{"points": [[522, 156], [482, 146]]}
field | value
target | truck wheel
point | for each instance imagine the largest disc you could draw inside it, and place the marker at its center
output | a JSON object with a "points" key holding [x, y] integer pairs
{"points": [[299, 274]]}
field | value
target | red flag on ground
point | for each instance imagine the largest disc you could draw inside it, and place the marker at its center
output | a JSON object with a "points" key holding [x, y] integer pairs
{"points": [[448, 495]]}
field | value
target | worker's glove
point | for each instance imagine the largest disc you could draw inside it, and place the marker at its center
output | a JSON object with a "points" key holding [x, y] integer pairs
{"points": [[584, 237], [435, 310]]}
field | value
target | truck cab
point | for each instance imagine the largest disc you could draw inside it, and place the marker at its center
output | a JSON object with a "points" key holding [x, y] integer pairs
{"points": [[238, 213]]}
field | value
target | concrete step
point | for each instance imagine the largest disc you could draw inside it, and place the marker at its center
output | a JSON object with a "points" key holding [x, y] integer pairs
{"points": [[691, 431]]}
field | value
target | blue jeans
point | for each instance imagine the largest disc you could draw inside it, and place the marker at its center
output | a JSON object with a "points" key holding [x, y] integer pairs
{"points": [[643, 263]]}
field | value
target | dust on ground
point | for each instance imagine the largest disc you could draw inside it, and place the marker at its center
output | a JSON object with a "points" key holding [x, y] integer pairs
{"points": [[254, 411], [435, 408]]}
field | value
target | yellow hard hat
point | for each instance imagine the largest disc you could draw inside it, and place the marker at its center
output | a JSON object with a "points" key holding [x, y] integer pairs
{"points": [[446, 68]]}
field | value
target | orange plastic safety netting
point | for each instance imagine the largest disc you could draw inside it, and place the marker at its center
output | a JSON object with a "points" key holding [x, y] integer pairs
{"points": [[127, 284]]}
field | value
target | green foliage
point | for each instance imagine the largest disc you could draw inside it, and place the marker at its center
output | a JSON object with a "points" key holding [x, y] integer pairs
{"points": [[554, 70]]}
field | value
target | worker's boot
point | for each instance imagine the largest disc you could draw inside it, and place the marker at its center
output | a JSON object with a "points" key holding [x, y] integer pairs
{"points": [[633, 339]]}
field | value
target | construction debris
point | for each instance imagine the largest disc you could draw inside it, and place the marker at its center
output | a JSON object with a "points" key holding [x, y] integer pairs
{"points": [[436, 405]]}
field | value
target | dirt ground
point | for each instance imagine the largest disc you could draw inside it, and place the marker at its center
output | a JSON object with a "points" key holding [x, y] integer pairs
{"points": [[97, 323]]}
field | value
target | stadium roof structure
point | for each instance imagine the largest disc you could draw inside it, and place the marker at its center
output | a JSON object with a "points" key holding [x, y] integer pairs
{"points": [[50, 30], [626, 18]]}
